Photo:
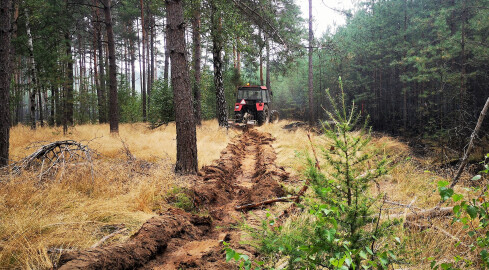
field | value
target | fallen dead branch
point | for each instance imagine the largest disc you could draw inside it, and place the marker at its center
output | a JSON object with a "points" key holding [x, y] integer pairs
{"points": [[465, 158], [107, 237], [409, 206], [267, 202], [50, 157], [425, 214]]}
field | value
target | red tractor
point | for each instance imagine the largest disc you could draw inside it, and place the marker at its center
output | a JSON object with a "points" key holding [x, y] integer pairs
{"points": [[253, 105]]}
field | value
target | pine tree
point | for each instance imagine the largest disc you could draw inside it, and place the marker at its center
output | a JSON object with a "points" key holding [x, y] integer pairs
{"points": [[5, 6], [182, 93]]}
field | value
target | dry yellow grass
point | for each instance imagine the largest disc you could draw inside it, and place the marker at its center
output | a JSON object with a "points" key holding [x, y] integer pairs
{"points": [[408, 181], [38, 219], [76, 210], [142, 142]]}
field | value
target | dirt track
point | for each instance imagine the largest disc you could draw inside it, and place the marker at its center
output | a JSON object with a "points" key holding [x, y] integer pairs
{"points": [[245, 173]]}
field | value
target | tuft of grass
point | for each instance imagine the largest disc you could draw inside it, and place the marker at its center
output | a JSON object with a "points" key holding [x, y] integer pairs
{"points": [[181, 198]]}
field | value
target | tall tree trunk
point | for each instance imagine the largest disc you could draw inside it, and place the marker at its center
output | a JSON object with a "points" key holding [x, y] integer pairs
{"points": [[184, 117], [143, 90], [102, 101], [261, 58], [40, 103], [32, 70], [52, 114], [197, 56], [126, 55], [463, 86], [216, 33], [133, 60], [268, 65], [141, 82], [5, 57], [311, 101], [69, 83], [59, 107], [113, 106], [83, 95], [404, 89], [96, 34], [152, 53], [167, 56], [13, 62], [148, 60], [238, 56]]}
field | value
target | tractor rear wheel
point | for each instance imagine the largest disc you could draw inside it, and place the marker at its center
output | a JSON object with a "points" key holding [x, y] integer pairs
{"points": [[263, 116]]}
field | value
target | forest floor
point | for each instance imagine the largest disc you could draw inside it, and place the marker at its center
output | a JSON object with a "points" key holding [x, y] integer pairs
{"points": [[128, 214]]}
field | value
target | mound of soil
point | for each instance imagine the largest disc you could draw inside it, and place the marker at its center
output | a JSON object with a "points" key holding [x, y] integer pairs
{"points": [[150, 240]]}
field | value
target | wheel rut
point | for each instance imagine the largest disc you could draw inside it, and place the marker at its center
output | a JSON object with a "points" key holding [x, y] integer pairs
{"points": [[245, 173]]}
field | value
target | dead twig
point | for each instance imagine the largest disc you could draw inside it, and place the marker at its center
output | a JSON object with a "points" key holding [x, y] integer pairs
{"points": [[255, 205], [128, 153], [425, 214], [107, 237]]}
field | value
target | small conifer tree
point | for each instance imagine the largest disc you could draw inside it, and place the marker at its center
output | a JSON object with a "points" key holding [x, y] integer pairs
{"points": [[346, 223]]}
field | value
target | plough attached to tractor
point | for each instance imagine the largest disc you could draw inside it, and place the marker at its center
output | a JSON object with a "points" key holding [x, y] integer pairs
{"points": [[252, 107]]}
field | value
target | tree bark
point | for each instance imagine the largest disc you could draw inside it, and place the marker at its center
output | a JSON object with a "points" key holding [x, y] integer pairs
{"points": [[143, 63], [184, 117], [404, 90], [97, 46], [69, 109], [32, 96], [267, 79], [197, 57], [311, 101], [5, 74], [102, 101], [261, 58], [463, 59], [113, 106], [82, 90], [40, 103], [217, 46], [167, 57], [133, 60], [13, 63], [152, 53]]}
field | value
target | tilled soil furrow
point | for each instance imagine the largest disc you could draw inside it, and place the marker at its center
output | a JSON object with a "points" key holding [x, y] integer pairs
{"points": [[245, 173]]}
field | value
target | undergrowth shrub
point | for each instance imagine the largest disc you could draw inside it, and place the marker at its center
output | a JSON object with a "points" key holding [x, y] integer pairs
{"points": [[340, 227], [161, 103], [129, 105], [472, 211]]}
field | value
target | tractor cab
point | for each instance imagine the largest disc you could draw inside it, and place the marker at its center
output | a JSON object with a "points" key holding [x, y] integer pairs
{"points": [[252, 104]]}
